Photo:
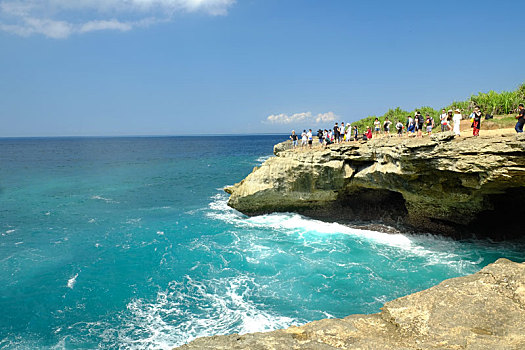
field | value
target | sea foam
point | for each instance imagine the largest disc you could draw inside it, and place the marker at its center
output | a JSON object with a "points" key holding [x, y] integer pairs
{"points": [[435, 250]]}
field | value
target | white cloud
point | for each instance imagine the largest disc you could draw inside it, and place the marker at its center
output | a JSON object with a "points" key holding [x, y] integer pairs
{"points": [[54, 18], [105, 25], [325, 117], [305, 117]]}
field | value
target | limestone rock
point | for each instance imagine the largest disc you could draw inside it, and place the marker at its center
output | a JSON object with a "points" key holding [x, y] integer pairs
{"points": [[443, 136], [481, 311], [453, 186]]}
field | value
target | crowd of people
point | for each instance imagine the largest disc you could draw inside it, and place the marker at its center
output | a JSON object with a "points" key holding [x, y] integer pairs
{"points": [[414, 126], [339, 133]]}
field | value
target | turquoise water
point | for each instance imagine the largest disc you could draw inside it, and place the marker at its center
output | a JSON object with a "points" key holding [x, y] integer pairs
{"points": [[128, 243]]}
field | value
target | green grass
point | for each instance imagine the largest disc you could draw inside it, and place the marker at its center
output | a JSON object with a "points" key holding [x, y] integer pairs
{"points": [[504, 103], [499, 122]]}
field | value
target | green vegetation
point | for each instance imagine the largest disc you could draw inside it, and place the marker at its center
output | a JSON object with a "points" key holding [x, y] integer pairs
{"points": [[494, 103], [395, 115], [500, 122]]}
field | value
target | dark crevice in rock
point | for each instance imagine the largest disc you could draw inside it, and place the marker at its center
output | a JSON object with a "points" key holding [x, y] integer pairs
{"points": [[363, 206], [505, 217]]}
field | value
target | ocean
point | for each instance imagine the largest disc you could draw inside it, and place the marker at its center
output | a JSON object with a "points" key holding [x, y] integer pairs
{"points": [[128, 243]]}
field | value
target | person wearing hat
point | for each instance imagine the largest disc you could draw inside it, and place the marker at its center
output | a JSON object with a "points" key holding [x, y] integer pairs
{"points": [[457, 121], [449, 119]]}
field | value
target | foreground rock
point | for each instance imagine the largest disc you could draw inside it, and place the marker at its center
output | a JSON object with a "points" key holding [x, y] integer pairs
{"points": [[481, 311], [453, 186]]}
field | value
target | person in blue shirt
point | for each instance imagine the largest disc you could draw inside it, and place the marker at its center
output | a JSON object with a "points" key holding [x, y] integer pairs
{"points": [[521, 118]]}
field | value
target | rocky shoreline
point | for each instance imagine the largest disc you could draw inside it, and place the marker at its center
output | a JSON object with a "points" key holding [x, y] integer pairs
{"points": [[485, 310], [440, 184]]}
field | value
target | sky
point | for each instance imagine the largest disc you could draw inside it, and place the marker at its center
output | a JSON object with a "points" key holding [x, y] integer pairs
{"points": [[186, 67]]}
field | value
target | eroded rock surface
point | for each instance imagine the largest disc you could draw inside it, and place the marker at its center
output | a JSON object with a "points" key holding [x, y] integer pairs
{"points": [[443, 184], [481, 311]]}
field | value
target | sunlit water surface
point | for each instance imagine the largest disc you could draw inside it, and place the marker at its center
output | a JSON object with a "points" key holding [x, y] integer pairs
{"points": [[128, 242]]}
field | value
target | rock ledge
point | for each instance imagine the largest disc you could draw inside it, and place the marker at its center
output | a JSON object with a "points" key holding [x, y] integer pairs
{"points": [[485, 310], [442, 184]]}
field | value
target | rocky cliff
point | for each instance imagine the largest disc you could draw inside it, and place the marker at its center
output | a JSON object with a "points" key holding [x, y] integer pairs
{"points": [[444, 184], [481, 311]]}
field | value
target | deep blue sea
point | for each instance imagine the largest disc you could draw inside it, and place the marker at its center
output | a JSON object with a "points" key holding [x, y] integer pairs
{"points": [[128, 243]]}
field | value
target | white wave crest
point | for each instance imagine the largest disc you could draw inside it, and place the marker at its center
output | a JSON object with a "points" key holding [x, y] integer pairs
{"points": [[218, 306], [263, 159], [295, 223], [71, 282], [107, 200], [435, 250]]}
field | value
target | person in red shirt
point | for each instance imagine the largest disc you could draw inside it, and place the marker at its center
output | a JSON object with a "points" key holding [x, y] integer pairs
{"points": [[368, 133], [476, 122]]}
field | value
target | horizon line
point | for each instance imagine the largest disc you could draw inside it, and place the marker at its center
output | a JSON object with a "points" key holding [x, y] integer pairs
{"points": [[137, 136]]}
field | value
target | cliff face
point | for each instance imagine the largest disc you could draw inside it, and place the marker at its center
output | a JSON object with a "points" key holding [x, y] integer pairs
{"points": [[443, 184], [481, 311]]}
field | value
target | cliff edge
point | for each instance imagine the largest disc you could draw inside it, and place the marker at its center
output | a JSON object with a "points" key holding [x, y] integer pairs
{"points": [[441, 184], [485, 310]]}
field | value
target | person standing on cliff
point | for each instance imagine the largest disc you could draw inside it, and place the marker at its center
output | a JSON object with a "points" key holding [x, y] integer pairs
{"points": [[457, 122], [521, 118], [328, 137], [476, 122], [320, 136], [304, 139], [419, 123], [386, 126], [377, 127], [430, 124], [336, 133], [293, 137], [411, 126], [443, 118], [310, 138], [399, 127], [348, 132]]}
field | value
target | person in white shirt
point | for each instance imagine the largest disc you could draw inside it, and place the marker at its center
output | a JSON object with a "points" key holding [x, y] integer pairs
{"points": [[444, 122], [457, 121], [310, 138], [348, 132], [377, 126], [399, 128], [386, 126], [304, 139]]}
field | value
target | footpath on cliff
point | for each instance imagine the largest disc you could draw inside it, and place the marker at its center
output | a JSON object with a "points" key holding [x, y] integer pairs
{"points": [[443, 184]]}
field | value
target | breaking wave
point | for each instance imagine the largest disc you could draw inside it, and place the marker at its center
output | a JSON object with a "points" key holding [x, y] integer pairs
{"points": [[435, 249]]}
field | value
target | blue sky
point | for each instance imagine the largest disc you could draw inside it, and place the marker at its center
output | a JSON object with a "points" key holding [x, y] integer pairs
{"points": [[172, 67]]}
